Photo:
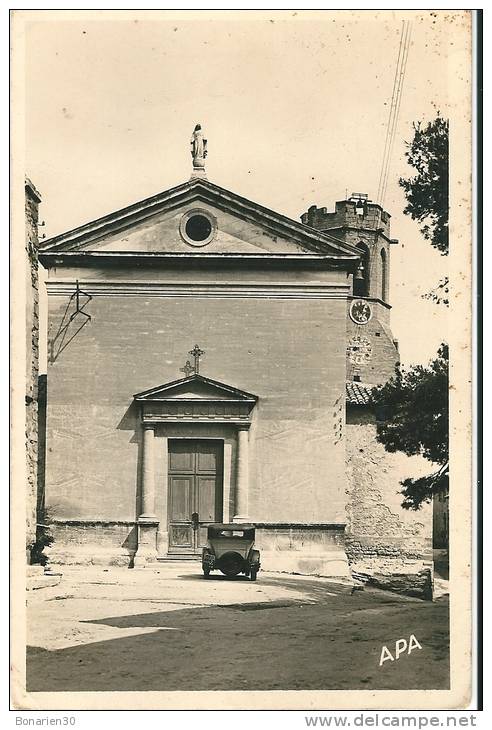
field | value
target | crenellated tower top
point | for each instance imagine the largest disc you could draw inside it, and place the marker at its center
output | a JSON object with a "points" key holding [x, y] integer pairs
{"points": [[365, 225]]}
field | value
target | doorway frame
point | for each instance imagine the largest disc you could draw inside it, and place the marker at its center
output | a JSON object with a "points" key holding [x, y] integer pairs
{"points": [[195, 407]]}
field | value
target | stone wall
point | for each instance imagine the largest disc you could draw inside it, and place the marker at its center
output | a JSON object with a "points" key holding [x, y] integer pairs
{"points": [[384, 351], [93, 542], [42, 402], [307, 549], [385, 543], [32, 200]]}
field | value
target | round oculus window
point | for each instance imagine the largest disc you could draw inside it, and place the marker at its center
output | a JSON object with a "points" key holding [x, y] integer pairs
{"points": [[197, 227]]}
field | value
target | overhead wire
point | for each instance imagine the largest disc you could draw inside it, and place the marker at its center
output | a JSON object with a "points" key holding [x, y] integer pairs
{"points": [[390, 113], [396, 114], [394, 110]]}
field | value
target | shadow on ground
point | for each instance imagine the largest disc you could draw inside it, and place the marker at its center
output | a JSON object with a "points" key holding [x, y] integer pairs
{"points": [[324, 639]]}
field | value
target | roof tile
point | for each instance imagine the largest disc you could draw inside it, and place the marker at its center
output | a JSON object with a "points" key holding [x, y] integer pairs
{"points": [[357, 394]]}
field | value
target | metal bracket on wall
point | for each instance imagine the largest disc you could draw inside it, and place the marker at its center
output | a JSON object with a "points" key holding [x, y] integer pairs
{"points": [[78, 309], [66, 332]]}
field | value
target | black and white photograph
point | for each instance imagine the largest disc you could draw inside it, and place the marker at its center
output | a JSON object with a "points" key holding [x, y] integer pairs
{"points": [[241, 367]]}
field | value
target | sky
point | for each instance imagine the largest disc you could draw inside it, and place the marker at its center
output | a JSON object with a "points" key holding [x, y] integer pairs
{"points": [[294, 107]]}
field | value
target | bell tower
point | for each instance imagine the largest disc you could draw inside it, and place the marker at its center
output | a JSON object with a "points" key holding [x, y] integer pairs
{"points": [[372, 352]]}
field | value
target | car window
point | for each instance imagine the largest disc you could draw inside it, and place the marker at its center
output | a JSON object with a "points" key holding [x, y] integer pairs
{"points": [[231, 533]]}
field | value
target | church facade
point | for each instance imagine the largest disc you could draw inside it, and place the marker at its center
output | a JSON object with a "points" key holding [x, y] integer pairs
{"points": [[210, 360]]}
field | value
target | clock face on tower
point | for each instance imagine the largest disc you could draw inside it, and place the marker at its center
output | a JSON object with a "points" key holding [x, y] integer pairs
{"points": [[360, 311]]}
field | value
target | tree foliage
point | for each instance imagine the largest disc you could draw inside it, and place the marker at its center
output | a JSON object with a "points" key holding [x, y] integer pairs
{"points": [[440, 293], [413, 418], [427, 192]]}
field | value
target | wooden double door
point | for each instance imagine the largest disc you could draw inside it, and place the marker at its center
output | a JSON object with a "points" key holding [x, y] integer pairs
{"points": [[195, 492]]}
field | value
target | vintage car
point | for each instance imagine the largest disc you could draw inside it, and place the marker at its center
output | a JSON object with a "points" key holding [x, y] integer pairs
{"points": [[230, 548]]}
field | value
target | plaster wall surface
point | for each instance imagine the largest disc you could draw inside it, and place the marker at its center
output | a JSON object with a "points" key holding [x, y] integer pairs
{"points": [[290, 353]]}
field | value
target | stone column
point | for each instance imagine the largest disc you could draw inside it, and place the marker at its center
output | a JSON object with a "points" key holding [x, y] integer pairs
{"points": [[148, 481], [242, 475], [147, 521]]}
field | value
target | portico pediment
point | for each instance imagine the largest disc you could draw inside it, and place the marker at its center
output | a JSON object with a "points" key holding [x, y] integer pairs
{"points": [[196, 399]]}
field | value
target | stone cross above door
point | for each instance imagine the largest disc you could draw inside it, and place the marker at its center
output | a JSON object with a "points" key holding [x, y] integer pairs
{"points": [[197, 353], [189, 369]]}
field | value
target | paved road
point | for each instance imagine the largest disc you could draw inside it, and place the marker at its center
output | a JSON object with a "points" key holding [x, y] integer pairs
{"points": [[169, 629]]}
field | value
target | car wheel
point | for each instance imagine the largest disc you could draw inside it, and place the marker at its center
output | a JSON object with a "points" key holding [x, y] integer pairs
{"points": [[231, 564]]}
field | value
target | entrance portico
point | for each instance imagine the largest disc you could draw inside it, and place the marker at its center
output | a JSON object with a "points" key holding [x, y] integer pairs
{"points": [[195, 463]]}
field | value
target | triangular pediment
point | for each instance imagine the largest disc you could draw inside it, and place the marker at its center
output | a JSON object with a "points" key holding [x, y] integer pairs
{"points": [[155, 225], [195, 388]]}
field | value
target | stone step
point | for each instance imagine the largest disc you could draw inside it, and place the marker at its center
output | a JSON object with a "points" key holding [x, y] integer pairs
{"points": [[34, 583]]}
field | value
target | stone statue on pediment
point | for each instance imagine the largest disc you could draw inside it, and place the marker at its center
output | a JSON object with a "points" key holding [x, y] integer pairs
{"points": [[198, 146]]}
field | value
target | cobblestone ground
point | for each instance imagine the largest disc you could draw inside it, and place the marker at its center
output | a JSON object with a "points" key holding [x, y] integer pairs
{"points": [[169, 629]]}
